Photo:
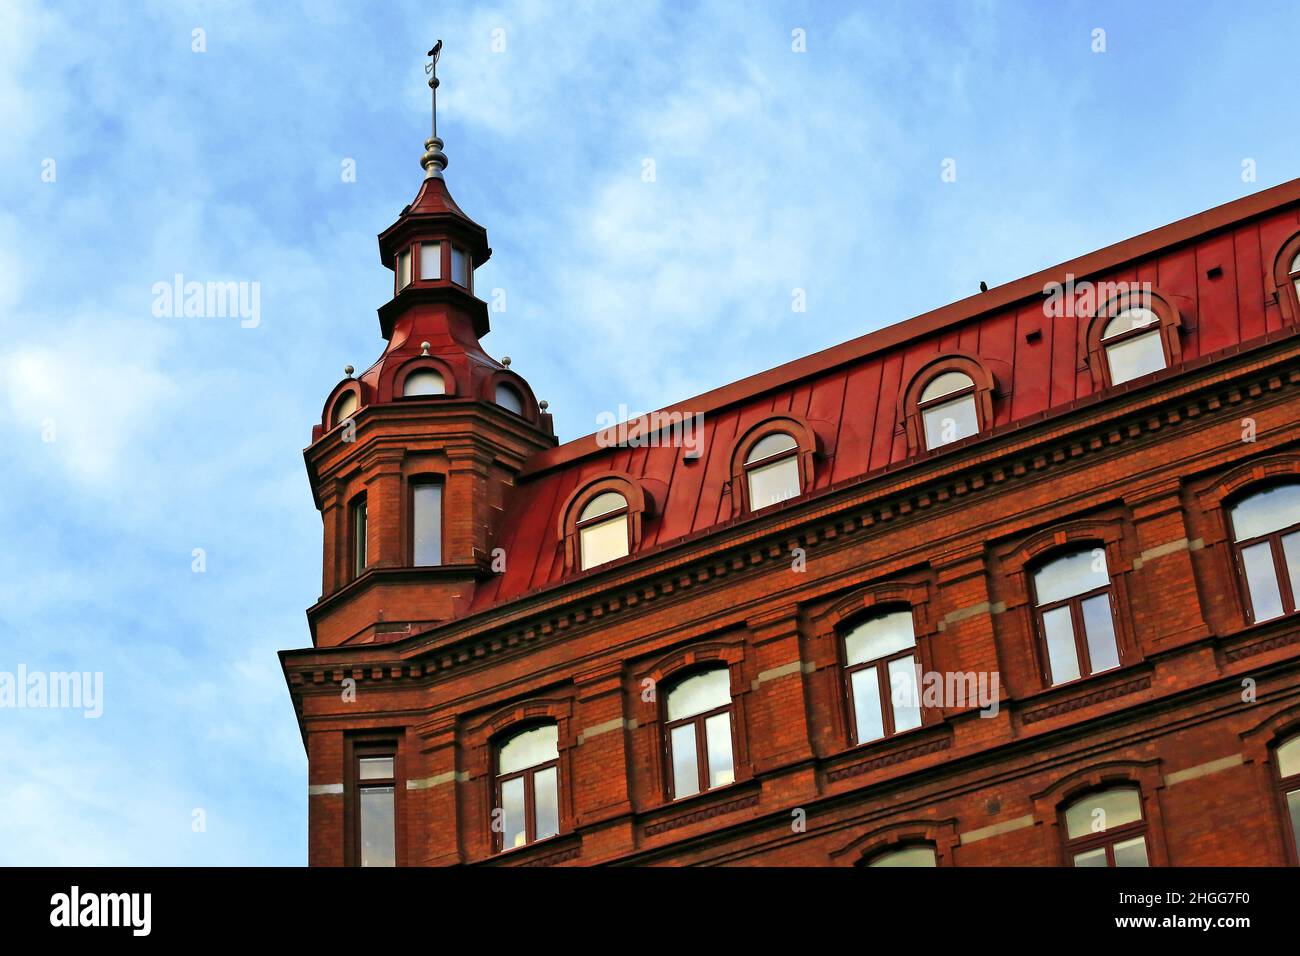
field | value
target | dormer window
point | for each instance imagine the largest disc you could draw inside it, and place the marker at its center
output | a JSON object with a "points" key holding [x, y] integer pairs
{"points": [[403, 269], [460, 267], [602, 530], [508, 397], [345, 407], [430, 260], [772, 470], [1132, 344], [947, 407], [424, 381]]}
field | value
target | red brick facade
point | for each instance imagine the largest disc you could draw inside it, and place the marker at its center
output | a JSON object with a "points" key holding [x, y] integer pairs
{"points": [[442, 664]]}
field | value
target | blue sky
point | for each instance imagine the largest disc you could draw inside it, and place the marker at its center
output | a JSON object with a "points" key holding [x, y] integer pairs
{"points": [[774, 170]]}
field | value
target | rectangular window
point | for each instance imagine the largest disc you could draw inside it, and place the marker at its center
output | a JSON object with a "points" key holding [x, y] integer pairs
{"points": [[1261, 577], [906, 695], [1135, 357], [546, 802], [950, 422], [603, 541], [1062, 658], [403, 268], [376, 787], [426, 523], [513, 822], [430, 260], [686, 771], [358, 534], [717, 735], [866, 705], [774, 483], [460, 267]]}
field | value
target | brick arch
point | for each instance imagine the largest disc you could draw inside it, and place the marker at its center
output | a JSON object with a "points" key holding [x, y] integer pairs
{"points": [[1284, 279], [1142, 775], [1090, 331], [941, 835], [909, 411], [805, 437]]}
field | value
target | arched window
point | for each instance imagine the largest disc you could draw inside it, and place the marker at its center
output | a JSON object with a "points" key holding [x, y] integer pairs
{"points": [[698, 733], [1106, 828], [345, 407], [528, 787], [508, 397], [424, 381], [1286, 277], [881, 675], [948, 411], [1287, 758], [1293, 274], [917, 855], [772, 470], [1133, 345], [603, 530], [1072, 597], [1266, 536]]}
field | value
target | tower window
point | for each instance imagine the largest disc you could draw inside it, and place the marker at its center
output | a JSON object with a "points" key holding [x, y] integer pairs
{"points": [[426, 523], [1073, 600], [345, 407], [947, 406], [1106, 829], [772, 470], [357, 520], [527, 787], [698, 731], [1132, 344], [603, 530], [424, 381], [373, 795], [430, 260], [1266, 537], [880, 667], [403, 268], [460, 266], [508, 397]]}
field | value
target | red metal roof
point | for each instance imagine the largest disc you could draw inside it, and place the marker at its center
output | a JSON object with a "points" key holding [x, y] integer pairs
{"points": [[854, 388]]}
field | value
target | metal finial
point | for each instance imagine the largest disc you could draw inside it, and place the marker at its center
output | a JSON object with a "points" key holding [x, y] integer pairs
{"points": [[505, 360], [348, 370], [424, 348], [543, 404], [434, 159]]}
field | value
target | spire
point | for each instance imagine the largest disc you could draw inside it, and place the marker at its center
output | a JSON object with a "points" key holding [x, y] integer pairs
{"points": [[434, 159]]}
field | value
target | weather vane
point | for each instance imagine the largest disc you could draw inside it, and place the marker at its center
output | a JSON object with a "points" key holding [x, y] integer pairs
{"points": [[434, 160]]}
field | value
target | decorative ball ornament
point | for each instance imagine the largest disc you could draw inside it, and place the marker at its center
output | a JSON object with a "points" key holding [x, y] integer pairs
{"points": [[424, 348], [505, 360], [543, 405], [348, 370]]}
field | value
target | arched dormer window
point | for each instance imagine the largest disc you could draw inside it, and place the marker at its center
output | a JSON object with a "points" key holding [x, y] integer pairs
{"points": [[422, 382], [1265, 528], [1106, 828], [528, 786], [880, 673], [1136, 333], [948, 398], [698, 733], [771, 463], [508, 397], [917, 854], [1075, 617], [1286, 277], [602, 521], [345, 407], [1286, 760]]}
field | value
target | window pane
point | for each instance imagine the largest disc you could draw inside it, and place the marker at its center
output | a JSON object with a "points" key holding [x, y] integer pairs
{"points": [[377, 842], [1099, 632], [771, 445], [1062, 657], [459, 267], [1128, 320], [375, 768], [1131, 852], [546, 802], [1288, 758], [943, 384], [430, 260], [904, 693], [1261, 578], [358, 537], [717, 738], [950, 421], [866, 705], [1102, 812], [603, 504], [1293, 807], [426, 523], [1135, 357], [404, 269], [774, 483], [1291, 553], [879, 637], [1266, 511], [425, 381], [509, 399], [912, 856], [603, 541], [686, 775], [1095, 857], [1073, 574], [529, 748], [512, 815], [700, 693], [345, 406]]}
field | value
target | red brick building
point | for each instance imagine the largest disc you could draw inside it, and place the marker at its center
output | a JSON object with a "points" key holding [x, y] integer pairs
{"points": [[1012, 582]]}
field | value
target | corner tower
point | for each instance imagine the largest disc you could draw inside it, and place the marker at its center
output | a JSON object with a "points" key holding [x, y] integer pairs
{"points": [[412, 460]]}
